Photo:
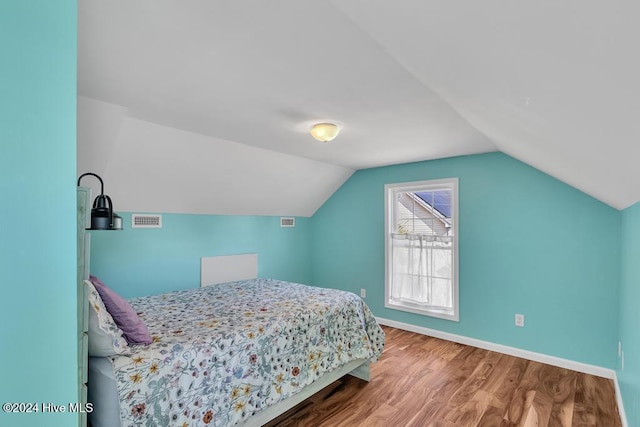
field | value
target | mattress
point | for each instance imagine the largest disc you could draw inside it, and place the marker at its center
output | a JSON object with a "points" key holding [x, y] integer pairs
{"points": [[223, 353]]}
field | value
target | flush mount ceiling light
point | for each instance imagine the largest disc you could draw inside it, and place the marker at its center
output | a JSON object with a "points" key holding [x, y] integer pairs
{"points": [[325, 132]]}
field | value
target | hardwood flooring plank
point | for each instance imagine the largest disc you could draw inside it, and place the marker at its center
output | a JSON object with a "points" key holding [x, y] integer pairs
{"points": [[518, 410], [423, 381], [606, 409], [469, 413], [475, 380], [504, 392], [381, 416], [493, 417], [542, 405]]}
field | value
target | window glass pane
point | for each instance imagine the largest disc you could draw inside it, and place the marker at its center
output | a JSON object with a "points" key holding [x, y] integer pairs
{"points": [[423, 212]]}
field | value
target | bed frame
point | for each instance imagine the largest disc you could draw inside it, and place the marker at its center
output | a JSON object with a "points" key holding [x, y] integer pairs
{"points": [[221, 269], [357, 368], [215, 270]]}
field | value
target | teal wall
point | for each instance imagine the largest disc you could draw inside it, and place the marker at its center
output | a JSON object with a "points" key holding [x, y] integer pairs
{"points": [[629, 379], [528, 244], [137, 262], [38, 354]]}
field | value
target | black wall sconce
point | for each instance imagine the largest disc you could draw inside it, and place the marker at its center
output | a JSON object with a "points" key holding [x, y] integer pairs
{"points": [[102, 215]]}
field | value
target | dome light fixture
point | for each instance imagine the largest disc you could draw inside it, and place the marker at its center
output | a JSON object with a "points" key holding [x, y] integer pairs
{"points": [[325, 132]]}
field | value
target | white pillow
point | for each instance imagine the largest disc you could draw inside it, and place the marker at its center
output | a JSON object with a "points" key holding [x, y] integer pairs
{"points": [[105, 337]]}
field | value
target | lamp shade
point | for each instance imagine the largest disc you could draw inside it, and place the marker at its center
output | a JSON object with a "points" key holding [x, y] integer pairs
{"points": [[102, 215], [324, 132]]}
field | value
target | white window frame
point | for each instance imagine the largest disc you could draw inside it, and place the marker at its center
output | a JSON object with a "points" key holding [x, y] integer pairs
{"points": [[390, 190]]}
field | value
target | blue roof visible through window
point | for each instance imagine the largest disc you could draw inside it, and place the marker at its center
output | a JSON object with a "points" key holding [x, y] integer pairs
{"points": [[440, 200]]}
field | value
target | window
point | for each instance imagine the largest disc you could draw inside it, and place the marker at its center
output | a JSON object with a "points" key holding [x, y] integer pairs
{"points": [[422, 247]]}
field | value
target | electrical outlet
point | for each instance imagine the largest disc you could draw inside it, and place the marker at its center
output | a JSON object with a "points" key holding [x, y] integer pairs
{"points": [[520, 320], [363, 293], [619, 348]]}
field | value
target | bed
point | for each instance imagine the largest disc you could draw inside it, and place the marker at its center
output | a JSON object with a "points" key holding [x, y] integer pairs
{"points": [[236, 353]]}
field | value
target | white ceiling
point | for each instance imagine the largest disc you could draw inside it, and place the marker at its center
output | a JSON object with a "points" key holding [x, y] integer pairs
{"points": [[552, 83]]}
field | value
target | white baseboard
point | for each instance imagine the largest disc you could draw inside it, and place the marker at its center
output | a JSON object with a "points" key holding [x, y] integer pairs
{"points": [[513, 351], [623, 415]]}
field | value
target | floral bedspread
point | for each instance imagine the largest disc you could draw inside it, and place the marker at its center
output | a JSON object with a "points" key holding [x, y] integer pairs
{"points": [[224, 352]]}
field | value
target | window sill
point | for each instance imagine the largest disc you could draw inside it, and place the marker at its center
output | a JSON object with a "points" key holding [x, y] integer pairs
{"points": [[440, 314]]}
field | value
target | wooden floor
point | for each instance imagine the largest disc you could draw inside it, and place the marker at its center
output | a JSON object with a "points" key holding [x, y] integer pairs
{"points": [[424, 381]]}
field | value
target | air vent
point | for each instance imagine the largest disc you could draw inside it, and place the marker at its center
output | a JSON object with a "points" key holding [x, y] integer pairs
{"points": [[146, 221], [287, 222]]}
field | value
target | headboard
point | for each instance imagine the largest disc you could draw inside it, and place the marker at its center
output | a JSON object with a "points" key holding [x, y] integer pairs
{"points": [[228, 268]]}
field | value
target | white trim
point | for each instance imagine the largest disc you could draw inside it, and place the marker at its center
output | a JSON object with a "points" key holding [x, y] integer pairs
{"points": [[512, 351], [623, 415]]}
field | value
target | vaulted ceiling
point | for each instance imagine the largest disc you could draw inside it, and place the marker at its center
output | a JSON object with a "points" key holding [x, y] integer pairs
{"points": [[204, 106]]}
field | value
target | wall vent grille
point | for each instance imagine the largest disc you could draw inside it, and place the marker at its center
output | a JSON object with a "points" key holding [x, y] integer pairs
{"points": [[146, 221], [287, 222]]}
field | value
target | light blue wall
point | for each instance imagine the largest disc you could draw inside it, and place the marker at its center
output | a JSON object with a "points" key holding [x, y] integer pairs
{"points": [[528, 244], [629, 379], [137, 262], [38, 351]]}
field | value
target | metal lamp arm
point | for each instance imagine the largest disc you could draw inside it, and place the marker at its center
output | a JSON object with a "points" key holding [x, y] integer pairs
{"points": [[93, 174]]}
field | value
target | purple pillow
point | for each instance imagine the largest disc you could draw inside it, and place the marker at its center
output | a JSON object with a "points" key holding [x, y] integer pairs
{"points": [[134, 329]]}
